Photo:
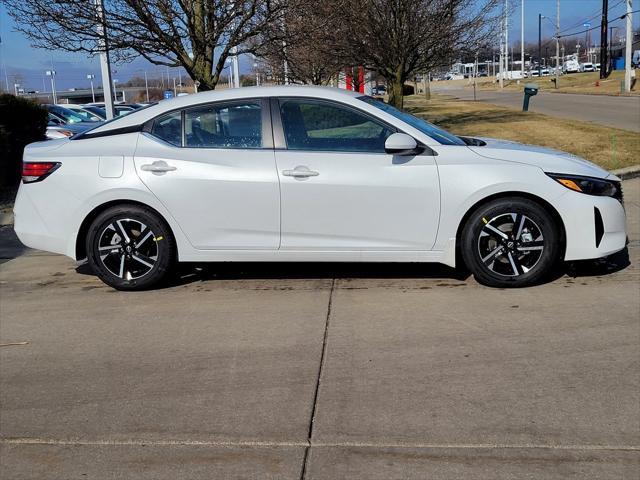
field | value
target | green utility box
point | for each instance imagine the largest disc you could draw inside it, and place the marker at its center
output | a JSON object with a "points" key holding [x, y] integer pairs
{"points": [[530, 89]]}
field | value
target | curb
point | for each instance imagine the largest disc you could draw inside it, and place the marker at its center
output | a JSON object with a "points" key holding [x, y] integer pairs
{"points": [[6, 218], [627, 173]]}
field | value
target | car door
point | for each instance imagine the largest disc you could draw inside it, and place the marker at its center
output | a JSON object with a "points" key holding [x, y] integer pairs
{"points": [[340, 191], [213, 167]]}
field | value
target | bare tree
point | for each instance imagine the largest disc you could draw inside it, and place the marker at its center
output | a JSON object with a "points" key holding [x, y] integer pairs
{"points": [[402, 38], [197, 35], [310, 34]]}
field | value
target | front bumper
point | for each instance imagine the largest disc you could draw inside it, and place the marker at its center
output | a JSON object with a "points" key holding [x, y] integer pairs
{"points": [[595, 226]]}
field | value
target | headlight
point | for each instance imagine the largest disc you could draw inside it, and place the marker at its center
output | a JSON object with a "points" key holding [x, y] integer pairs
{"points": [[589, 185]]}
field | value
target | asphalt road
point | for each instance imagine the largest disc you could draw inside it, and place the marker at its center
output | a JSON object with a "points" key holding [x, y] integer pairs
{"points": [[618, 112], [320, 372]]}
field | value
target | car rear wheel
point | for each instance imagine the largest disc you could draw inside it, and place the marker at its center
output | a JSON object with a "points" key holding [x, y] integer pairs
{"points": [[130, 248], [511, 242]]}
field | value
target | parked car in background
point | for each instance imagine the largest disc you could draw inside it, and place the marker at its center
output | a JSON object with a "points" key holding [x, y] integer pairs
{"points": [[65, 115], [56, 129], [571, 66], [119, 108], [379, 90], [309, 174], [97, 111], [587, 67], [87, 115]]}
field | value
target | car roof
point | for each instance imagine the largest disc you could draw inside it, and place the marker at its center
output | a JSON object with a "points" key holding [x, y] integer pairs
{"points": [[138, 117]]}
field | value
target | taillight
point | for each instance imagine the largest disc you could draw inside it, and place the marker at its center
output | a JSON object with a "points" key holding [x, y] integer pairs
{"points": [[36, 171]]}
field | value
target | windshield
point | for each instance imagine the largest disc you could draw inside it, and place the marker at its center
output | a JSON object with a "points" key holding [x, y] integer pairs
{"points": [[69, 116], [442, 136], [86, 115], [96, 111]]}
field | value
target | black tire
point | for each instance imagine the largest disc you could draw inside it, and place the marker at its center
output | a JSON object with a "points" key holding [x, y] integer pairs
{"points": [[129, 247], [532, 246]]}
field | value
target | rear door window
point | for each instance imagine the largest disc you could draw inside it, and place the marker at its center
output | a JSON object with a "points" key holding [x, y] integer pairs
{"points": [[231, 125], [169, 128]]}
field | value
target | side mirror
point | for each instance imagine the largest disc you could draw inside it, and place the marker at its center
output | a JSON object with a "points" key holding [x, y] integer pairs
{"points": [[401, 144]]}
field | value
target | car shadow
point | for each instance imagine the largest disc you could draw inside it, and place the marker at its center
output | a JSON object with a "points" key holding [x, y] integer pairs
{"points": [[599, 267], [187, 273]]}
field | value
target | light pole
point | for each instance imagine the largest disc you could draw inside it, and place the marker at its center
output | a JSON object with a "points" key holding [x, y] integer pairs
{"points": [[105, 66], [587, 42], [115, 92], [522, 40], [627, 51], [540, 17], [93, 93], [146, 85], [557, 43], [546, 55], [52, 74]]}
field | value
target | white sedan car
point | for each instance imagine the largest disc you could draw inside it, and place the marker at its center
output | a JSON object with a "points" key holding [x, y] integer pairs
{"points": [[309, 174]]}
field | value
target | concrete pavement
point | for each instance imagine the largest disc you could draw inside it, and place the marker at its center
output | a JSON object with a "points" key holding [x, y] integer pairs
{"points": [[320, 372], [618, 112]]}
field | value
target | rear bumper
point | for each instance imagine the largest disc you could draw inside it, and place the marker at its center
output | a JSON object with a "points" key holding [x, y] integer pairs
{"points": [[595, 226], [32, 230]]}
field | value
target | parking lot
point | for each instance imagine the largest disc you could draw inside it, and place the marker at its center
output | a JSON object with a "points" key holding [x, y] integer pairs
{"points": [[320, 372]]}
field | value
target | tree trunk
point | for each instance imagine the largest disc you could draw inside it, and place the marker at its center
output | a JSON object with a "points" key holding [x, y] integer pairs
{"points": [[396, 95], [201, 72]]}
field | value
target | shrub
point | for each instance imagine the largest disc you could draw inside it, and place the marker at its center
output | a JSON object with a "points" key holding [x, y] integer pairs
{"points": [[22, 121]]}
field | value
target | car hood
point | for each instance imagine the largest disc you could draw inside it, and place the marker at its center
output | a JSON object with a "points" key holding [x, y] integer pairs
{"points": [[548, 159]]}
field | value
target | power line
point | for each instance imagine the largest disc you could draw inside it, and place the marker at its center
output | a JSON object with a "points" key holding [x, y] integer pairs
{"points": [[597, 15], [597, 27]]}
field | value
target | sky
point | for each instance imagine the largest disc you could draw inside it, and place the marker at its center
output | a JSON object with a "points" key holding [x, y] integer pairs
{"points": [[17, 57]]}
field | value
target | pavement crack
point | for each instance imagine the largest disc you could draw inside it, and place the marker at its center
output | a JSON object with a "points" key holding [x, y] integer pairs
{"points": [[305, 459]]}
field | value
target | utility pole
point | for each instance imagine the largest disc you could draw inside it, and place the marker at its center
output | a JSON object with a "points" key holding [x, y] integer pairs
{"points": [[604, 61], [627, 50], [540, 17], [522, 39], [105, 66], [557, 43]]}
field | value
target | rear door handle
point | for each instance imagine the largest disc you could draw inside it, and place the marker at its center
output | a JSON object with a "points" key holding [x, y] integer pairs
{"points": [[158, 167], [301, 171]]}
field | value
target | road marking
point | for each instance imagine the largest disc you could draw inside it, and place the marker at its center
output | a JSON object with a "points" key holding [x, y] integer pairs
{"points": [[267, 443]]}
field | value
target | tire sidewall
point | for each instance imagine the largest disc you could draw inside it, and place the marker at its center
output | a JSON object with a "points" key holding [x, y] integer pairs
{"points": [[548, 226], [166, 247]]}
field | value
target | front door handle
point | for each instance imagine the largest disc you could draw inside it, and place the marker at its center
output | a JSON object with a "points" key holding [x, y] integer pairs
{"points": [[301, 171], [158, 167]]}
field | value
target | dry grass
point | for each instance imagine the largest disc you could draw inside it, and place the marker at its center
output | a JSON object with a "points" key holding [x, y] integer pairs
{"points": [[584, 83], [608, 147]]}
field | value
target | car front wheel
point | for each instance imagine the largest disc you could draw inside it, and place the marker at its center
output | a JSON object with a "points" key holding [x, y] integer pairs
{"points": [[511, 242], [130, 248]]}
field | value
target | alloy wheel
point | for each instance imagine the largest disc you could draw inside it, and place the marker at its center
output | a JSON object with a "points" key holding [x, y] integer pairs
{"points": [[128, 248], [510, 244]]}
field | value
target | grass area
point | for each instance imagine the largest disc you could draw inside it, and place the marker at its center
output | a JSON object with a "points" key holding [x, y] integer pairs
{"points": [[585, 83], [608, 147]]}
